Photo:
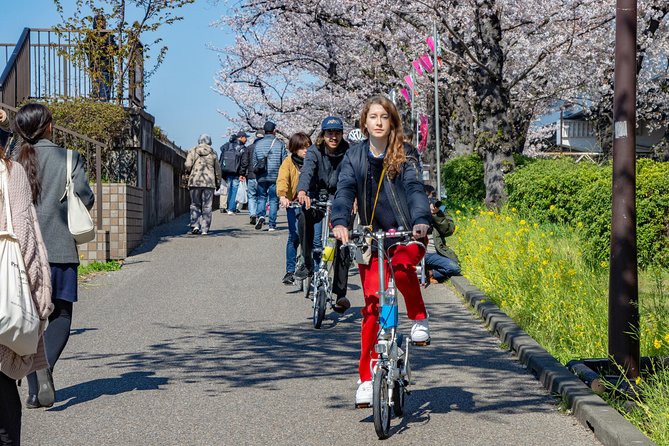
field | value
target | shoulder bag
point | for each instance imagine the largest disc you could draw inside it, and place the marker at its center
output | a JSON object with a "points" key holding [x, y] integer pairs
{"points": [[260, 166], [79, 221], [19, 321]]}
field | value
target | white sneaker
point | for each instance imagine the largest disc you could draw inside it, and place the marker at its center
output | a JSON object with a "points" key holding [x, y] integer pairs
{"points": [[271, 230], [231, 213], [420, 332], [363, 396]]}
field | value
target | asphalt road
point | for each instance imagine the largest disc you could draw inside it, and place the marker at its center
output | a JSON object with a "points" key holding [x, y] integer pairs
{"points": [[195, 341]]}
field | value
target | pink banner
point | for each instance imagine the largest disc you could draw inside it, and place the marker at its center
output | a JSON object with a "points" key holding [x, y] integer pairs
{"points": [[409, 81], [426, 62], [417, 66], [405, 93], [423, 132], [430, 43]]}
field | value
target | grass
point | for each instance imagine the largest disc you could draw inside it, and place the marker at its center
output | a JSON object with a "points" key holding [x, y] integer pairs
{"points": [[537, 275], [93, 268]]}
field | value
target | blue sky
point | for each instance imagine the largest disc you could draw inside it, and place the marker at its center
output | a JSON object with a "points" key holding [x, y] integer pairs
{"points": [[180, 93]]}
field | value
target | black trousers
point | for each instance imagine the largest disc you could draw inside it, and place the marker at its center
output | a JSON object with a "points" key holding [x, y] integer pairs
{"points": [[55, 338], [10, 412], [342, 258]]}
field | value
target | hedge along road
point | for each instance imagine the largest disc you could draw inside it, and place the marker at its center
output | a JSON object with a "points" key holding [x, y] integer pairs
{"points": [[195, 341]]}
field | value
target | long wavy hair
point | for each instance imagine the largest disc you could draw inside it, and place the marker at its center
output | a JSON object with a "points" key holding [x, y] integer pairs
{"points": [[32, 123], [395, 156]]}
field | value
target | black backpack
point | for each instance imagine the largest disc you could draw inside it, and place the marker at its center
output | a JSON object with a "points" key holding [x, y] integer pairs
{"points": [[231, 159]]}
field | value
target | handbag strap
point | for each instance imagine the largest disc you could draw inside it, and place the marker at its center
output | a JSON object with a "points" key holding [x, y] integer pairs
{"points": [[68, 175], [4, 189]]}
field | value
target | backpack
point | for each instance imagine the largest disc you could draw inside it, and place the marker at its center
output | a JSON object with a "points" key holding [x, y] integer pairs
{"points": [[260, 166], [231, 159]]}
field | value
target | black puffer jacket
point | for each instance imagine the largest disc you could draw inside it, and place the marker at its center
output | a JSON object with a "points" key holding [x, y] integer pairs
{"points": [[321, 169], [406, 188]]}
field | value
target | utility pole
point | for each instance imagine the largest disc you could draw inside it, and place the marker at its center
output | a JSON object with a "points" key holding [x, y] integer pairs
{"points": [[437, 131], [623, 278]]}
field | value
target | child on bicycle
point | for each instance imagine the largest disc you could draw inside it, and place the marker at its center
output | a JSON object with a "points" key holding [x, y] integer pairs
{"points": [[383, 174], [319, 177], [286, 190]]}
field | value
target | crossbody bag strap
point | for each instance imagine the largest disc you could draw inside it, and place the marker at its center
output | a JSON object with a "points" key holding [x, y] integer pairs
{"points": [[378, 190], [4, 174]]}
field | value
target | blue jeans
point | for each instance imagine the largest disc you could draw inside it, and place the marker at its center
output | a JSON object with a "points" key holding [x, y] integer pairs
{"points": [[293, 240], [442, 267], [233, 185], [252, 185], [267, 191]]}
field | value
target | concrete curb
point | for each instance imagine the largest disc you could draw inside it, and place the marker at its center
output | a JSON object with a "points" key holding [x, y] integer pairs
{"points": [[609, 427]]}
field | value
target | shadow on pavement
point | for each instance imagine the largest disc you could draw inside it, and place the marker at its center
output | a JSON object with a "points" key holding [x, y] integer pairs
{"points": [[127, 382]]}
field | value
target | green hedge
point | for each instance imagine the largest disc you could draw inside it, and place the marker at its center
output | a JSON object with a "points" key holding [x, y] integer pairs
{"points": [[462, 178], [562, 191]]}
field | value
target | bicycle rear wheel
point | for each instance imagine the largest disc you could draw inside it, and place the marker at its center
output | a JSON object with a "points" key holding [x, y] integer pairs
{"points": [[320, 301], [380, 404]]}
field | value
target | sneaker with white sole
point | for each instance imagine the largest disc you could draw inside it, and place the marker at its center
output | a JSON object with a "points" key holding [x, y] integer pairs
{"points": [[420, 332], [261, 221], [363, 396]]}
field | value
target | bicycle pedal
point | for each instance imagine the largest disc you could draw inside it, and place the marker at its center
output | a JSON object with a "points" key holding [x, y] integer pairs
{"points": [[421, 343]]}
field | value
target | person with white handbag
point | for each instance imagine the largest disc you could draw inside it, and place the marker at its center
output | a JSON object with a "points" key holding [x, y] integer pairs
{"points": [[19, 231], [46, 165]]}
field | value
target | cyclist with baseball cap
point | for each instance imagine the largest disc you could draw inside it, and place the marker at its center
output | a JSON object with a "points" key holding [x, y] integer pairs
{"points": [[318, 178]]}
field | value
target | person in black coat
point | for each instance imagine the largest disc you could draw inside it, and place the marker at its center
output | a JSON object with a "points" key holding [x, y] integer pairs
{"points": [[318, 180], [382, 173]]}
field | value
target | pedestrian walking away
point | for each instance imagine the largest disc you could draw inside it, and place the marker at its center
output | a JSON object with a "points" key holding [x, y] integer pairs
{"points": [[268, 155], [251, 181], [204, 179], [232, 153], [319, 177], [15, 194], [382, 174], [286, 190], [46, 166]]}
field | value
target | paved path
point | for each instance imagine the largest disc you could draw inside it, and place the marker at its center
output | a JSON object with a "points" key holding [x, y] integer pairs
{"points": [[196, 342]]}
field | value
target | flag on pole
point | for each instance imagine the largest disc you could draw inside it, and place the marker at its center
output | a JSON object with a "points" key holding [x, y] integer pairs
{"points": [[409, 81], [405, 93], [430, 43], [426, 62], [417, 66]]}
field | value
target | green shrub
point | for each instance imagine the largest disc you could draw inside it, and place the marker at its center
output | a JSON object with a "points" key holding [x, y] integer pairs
{"points": [[102, 121], [562, 191], [462, 178]]}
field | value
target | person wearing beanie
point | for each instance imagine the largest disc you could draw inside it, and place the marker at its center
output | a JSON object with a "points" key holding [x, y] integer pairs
{"points": [[319, 177], [268, 155]]}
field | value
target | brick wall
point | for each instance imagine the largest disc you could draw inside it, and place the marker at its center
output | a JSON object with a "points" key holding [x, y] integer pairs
{"points": [[122, 224]]}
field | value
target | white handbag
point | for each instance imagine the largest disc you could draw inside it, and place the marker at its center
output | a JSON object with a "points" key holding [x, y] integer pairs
{"points": [[79, 221], [19, 320]]}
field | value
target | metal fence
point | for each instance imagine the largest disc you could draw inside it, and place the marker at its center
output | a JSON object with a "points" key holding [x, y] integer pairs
{"points": [[44, 63]]}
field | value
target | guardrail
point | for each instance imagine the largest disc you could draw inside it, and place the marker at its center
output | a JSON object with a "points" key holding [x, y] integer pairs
{"points": [[44, 64]]}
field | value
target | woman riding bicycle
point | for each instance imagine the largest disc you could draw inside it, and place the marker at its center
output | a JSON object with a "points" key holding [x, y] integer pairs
{"points": [[382, 174], [319, 176]]}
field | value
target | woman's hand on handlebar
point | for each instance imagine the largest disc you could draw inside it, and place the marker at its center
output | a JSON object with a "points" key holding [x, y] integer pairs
{"points": [[420, 231], [284, 202], [304, 199], [340, 232]]}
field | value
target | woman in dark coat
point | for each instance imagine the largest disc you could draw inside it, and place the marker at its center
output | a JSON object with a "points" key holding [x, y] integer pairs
{"points": [[382, 174], [45, 164]]}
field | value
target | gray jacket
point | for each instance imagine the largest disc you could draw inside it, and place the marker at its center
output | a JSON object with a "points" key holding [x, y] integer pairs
{"points": [[275, 157], [51, 212]]}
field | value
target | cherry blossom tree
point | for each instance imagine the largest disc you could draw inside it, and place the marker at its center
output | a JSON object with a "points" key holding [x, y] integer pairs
{"points": [[504, 62]]}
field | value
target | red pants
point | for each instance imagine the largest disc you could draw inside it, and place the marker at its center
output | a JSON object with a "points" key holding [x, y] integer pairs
{"points": [[404, 261]]}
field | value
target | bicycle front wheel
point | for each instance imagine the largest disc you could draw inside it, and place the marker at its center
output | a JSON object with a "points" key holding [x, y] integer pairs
{"points": [[380, 404], [320, 301]]}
